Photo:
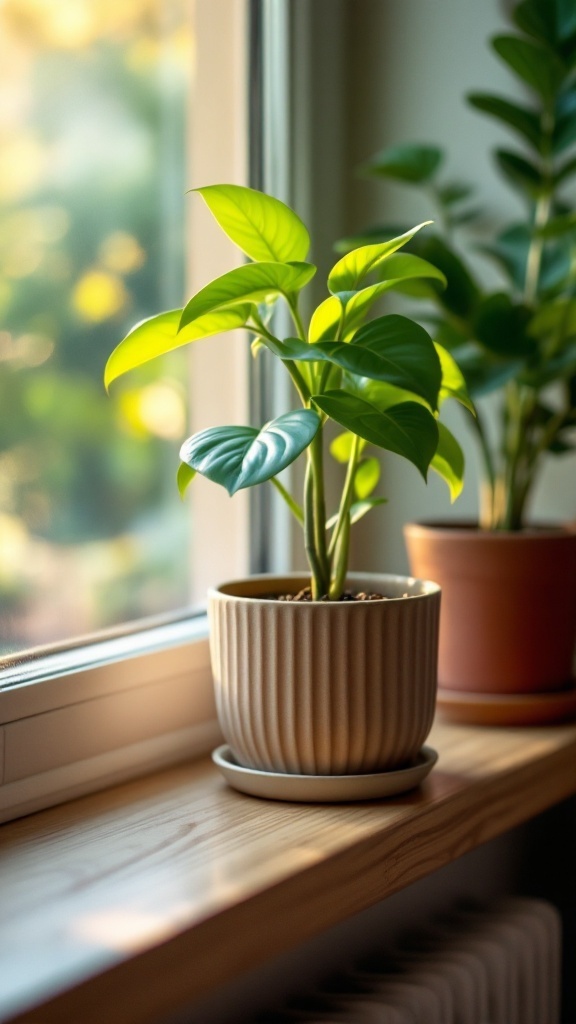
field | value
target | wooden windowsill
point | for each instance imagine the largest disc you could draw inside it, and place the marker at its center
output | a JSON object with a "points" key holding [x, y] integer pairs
{"points": [[127, 905]]}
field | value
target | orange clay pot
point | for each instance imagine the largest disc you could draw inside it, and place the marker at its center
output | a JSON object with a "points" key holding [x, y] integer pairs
{"points": [[508, 622]]}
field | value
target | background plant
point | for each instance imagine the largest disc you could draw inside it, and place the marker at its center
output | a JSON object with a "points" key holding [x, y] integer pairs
{"points": [[382, 380], [520, 339]]}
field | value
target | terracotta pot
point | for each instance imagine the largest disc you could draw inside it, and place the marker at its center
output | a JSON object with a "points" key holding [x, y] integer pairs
{"points": [[508, 605], [325, 688]]}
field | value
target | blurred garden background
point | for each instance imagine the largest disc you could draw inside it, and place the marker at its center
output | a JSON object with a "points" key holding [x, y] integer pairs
{"points": [[93, 110]]}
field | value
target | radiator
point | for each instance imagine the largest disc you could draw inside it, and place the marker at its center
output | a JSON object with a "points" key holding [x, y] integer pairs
{"points": [[492, 965]]}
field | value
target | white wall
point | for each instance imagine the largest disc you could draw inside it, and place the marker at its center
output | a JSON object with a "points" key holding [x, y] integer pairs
{"points": [[410, 64]]}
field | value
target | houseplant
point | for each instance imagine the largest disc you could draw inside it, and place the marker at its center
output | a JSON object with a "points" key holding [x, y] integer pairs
{"points": [[509, 615], [327, 710]]}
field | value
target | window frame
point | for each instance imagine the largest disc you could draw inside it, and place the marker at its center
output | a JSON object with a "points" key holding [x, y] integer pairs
{"points": [[78, 719]]}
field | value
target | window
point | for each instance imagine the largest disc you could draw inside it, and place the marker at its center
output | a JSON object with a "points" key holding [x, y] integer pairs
{"points": [[92, 183], [103, 707]]}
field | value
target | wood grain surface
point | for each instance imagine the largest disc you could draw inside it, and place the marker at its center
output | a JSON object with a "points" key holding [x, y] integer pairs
{"points": [[128, 904]]}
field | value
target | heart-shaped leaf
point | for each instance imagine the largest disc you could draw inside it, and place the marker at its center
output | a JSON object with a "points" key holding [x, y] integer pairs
{"points": [[325, 320], [254, 282], [448, 461], [351, 270], [260, 225], [238, 457], [159, 334], [408, 429]]}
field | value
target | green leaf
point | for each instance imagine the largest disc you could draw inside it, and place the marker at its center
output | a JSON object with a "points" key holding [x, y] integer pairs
{"points": [[159, 334], [351, 270], [405, 355], [325, 320], [520, 172], [565, 171], [254, 282], [238, 457], [372, 235], [537, 66], [461, 293], [396, 269], [408, 429], [551, 21], [564, 134], [341, 447], [501, 326], [391, 348], [358, 510], [552, 369], [453, 382], [260, 225], [448, 461], [555, 317], [520, 118], [413, 163], [184, 477], [366, 477], [454, 192]]}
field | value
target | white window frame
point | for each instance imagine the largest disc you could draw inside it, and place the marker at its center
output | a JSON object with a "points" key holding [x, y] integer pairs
{"points": [[77, 720]]}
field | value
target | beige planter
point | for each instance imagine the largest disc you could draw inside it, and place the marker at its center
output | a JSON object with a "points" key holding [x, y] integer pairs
{"points": [[325, 688]]}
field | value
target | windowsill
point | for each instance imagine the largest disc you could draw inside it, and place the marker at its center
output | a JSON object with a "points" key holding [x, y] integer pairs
{"points": [[131, 903]]}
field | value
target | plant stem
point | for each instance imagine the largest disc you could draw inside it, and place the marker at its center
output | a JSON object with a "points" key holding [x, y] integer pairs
{"points": [[320, 581], [292, 505], [339, 544], [488, 485]]}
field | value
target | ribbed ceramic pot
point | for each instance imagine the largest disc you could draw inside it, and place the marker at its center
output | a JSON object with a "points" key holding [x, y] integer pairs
{"points": [[508, 605], [325, 688]]}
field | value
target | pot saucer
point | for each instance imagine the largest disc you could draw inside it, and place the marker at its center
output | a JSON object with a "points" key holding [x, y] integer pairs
{"points": [[323, 788], [507, 708]]}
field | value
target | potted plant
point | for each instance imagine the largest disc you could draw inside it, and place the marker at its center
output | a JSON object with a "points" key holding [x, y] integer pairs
{"points": [[509, 589], [335, 674]]}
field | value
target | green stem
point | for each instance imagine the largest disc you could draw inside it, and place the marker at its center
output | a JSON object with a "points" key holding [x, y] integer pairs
{"points": [[292, 505], [339, 543], [488, 486], [319, 582], [295, 313]]}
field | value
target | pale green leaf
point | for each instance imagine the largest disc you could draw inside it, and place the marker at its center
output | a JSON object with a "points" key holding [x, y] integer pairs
{"points": [[254, 282], [350, 271], [366, 477], [184, 477], [453, 382], [358, 510], [448, 461], [325, 320], [260, 225], [341, 447], [159, 334], [238, 457]]}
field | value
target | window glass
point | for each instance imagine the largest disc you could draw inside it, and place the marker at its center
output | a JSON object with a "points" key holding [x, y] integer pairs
{"points": [[93, 100]]}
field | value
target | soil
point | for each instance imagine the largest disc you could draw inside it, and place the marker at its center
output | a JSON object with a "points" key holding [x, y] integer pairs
{"points": [[348, 595]]}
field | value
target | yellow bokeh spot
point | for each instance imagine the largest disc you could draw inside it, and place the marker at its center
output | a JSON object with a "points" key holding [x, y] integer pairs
{"points": [[99, 295], [157, 409], [13, 544], [121, 253]]}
